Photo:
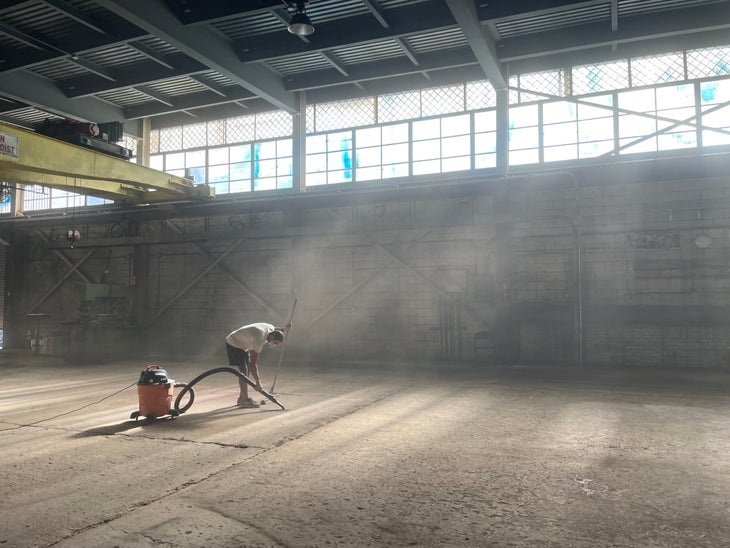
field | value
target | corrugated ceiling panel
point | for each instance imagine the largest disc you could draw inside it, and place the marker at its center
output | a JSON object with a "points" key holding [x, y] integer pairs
{"points": [[390, 4], [550, 21], [373, 51], [42, 20], [434, 41], [331, 10], [12, 47], [119, 55], [300, 63], [217, 78], [177, 86], [125, 97], [635, 7], [158, 45], [249, 25], [31, 115], [59, 69]]}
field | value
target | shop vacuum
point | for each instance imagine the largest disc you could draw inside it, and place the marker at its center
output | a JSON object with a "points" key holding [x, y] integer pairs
{"points": [[155, 390]]}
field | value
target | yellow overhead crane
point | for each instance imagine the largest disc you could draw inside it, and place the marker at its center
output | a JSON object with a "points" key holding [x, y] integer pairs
{"points": [[30, 158]]}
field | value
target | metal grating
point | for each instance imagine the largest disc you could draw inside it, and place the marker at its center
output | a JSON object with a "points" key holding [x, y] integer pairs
{"points": [[249, 25], [59, 69], [390, 4], [32, 115], [708, 62], [300, 63], [551, 21], [158, 45], [323, 11], [442, 100], [119, 55], [437, 41], [41, 20], [241, 129], [217, 78], [364, 53], [636, 7], [600, 77], [125, 97], [176, 87], [344, 114], [274, 124], [480, 95], [394, 107], [657, 69]]}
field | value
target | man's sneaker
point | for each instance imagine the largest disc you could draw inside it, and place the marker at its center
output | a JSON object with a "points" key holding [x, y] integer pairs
{"points": [[249, 403]]}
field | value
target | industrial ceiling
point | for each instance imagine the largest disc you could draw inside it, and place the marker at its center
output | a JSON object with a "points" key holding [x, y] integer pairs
{"points": [[178, 61]]}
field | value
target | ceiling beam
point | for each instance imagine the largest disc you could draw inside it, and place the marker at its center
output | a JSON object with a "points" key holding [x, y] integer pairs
{"points": [[377, 12], [43, 94], [205, 46], [481, 43], [151, 54]]}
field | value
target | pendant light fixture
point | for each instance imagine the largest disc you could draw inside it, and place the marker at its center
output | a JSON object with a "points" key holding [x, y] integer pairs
{"points": [[300, 23]]}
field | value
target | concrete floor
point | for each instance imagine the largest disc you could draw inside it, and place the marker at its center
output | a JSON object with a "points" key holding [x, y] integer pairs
{"points": [[472, 456]]}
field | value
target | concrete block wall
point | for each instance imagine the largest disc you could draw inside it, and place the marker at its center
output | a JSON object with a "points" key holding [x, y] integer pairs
{"points": [[416, 279]]}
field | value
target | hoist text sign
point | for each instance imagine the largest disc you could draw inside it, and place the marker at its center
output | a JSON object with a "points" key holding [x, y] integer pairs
{"points": [[8, 144]]}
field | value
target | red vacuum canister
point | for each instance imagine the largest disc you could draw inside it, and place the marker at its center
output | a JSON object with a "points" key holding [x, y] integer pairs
{"points": [[155, 391]]}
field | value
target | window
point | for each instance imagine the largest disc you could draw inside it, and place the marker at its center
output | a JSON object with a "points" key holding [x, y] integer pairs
{"points": [[329, 158], [524, 138], [485, 139], [714, 99], [382, 152], [272, 165], [442, 144]]}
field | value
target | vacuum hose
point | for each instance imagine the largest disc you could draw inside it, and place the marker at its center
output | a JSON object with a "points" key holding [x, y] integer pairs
{"points": [[189, 388]]}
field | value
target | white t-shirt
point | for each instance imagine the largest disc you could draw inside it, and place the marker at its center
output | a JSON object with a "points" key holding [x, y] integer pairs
{"points": [[250, 337]]}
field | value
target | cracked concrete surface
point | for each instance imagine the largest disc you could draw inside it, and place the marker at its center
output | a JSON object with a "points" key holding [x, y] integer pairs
{"points": [[466, 455]]}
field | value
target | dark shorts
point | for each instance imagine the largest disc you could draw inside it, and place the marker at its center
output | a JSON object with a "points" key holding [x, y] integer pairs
{"points": [[238, 356]]}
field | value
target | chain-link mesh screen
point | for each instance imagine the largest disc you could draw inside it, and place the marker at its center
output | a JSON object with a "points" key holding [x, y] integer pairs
{"points": [[442, 100], [155, 141], [240, 129], [171, 139], [399, 106], [657, 69], [548, 82], [274, 124], [311, 119], [216, 133], [600, 77], [344, 114], [708, 62], [194, 136], [480, 95]]}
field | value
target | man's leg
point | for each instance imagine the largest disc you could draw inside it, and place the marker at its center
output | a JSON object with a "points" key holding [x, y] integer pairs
{"points": [[240, 358]]}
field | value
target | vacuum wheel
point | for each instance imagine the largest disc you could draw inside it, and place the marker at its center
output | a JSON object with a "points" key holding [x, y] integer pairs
{"points": [[151, 417], [134, 415]]}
